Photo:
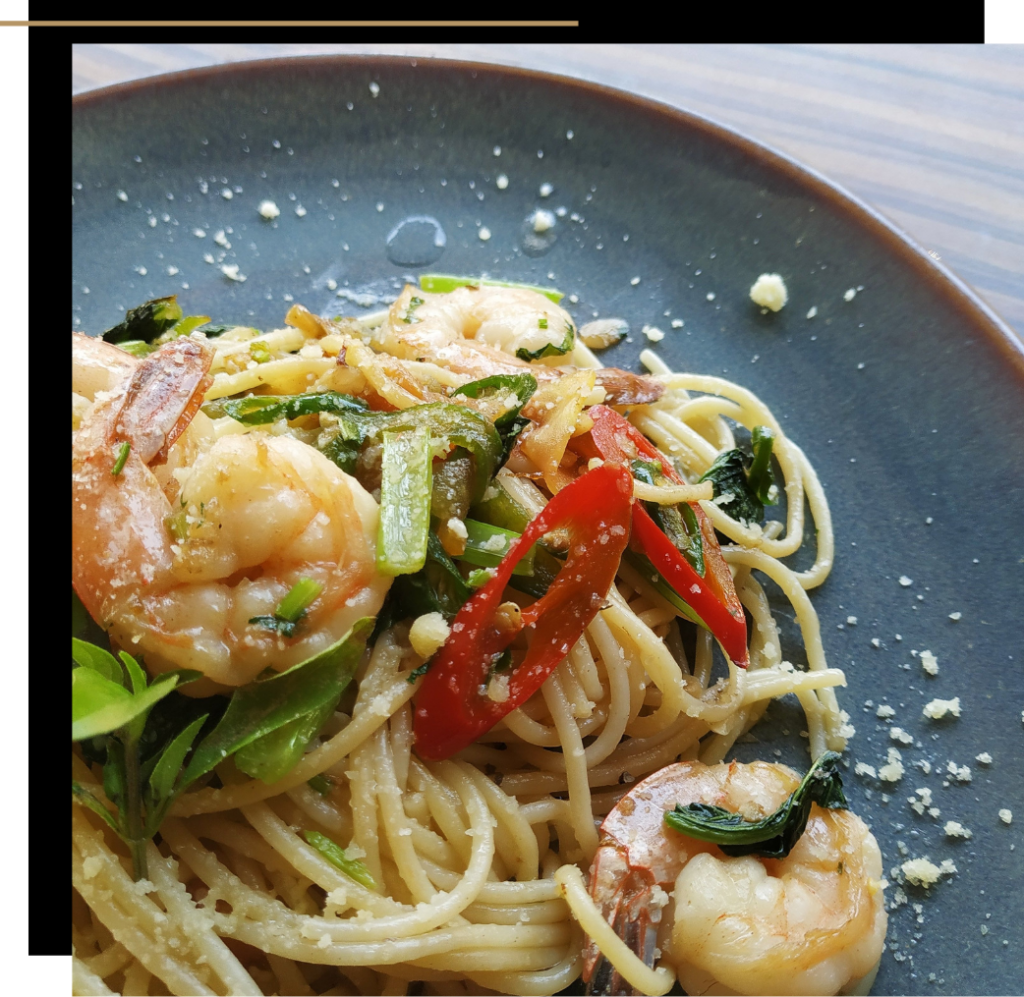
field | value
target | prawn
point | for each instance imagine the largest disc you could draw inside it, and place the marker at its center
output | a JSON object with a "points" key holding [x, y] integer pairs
{"points": [[813, 922], [478, 331], [194, 536]]}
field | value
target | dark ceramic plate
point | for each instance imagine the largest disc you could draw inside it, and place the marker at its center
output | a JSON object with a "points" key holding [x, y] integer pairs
{"points": [[909, 398]]}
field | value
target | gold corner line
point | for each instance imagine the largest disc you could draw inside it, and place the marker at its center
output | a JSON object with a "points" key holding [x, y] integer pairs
{"points": [[282, 24]]}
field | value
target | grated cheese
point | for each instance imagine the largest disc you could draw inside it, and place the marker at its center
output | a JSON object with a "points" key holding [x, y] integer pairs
{"points": [[938, 708], [769, 291]]}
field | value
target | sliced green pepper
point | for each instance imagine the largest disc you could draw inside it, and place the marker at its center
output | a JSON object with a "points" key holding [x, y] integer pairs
{"points": [[441, 283], [404, 501]]}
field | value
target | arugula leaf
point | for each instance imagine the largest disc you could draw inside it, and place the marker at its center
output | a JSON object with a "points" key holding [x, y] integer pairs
{"points": [[165, 772], [97, 658], [748, 489], [146, 322], [259, 708], [776, 834], [334, 854], [99, 706]]}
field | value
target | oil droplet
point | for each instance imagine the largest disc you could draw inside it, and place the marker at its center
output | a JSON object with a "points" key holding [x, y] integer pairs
{"points": [[416, 241]]}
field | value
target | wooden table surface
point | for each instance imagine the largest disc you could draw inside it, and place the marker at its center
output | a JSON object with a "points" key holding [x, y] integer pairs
{"points": [[932, 136]]}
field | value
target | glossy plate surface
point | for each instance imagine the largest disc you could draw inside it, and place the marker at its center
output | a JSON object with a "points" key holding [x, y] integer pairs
{"points": [[908, 398]]}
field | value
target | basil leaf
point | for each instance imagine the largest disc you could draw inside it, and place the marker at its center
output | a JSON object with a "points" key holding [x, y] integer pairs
{"points": [[168, 766], [85, 797], [97, 658], [99, 706], [776, 834], [334, 854], [261, 707], [274, 755], [146, 322]]}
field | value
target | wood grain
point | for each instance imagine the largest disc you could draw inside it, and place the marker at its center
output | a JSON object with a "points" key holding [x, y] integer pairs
{"points": [[932, 136]]}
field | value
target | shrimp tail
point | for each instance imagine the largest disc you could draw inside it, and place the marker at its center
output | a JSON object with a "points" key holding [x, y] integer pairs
{"points": [[624, 895], [162, 397], [626, 388]]}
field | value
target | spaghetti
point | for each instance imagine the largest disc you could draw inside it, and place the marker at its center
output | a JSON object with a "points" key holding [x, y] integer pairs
{"points": [[475, 859]]}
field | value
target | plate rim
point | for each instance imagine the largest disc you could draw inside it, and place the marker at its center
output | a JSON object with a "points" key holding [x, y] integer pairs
{"points": [[998, 333]]}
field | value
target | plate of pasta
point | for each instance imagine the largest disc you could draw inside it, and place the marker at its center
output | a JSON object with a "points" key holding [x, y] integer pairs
{"points": [[521, 545]]}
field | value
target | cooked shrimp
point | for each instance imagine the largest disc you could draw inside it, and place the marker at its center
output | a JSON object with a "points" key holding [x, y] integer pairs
{"points": [[252, 514], [477, 331], [811, 923]]}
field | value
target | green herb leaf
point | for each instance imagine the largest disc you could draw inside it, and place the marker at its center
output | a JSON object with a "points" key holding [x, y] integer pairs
{"points": [[418, 671], [522, 387], [551, 349], [321, 784], [273, 756], [146, 322], [259, 708], [439, 283], [437, 588], [99, 706], [334, 854], [85, 797], [776, 834], [168, 767], [97, 658], [748, 490], [677, 522], [258, 410], [137, 348]]}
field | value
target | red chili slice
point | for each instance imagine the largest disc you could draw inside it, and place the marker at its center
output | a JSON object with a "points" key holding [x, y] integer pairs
{"points": [[452, 706], [713, 596]]}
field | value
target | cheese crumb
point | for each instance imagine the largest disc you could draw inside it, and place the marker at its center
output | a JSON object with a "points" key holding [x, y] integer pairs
{"points": [[497, 689], [984, 758], [955, 616], [501, 182], [850, 294], [268, 210], [230, 270], [458, 527], [929, 663], [923, 872], [954, 829], [1006, 815], [862, 768], [962, 774], [938, 708], [851, 621], [654, 334], [884, 711], [484, 234], [427, 633], [769, 291], [93, 864], [542, 221], [899, 734], [893, 771], [905, 581]]}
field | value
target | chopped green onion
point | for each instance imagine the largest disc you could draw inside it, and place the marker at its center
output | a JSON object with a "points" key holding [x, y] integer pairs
{"points": [[122, 458], [334, 854], [406, 464], [259, 352], [440, 283], [294, 605]]}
